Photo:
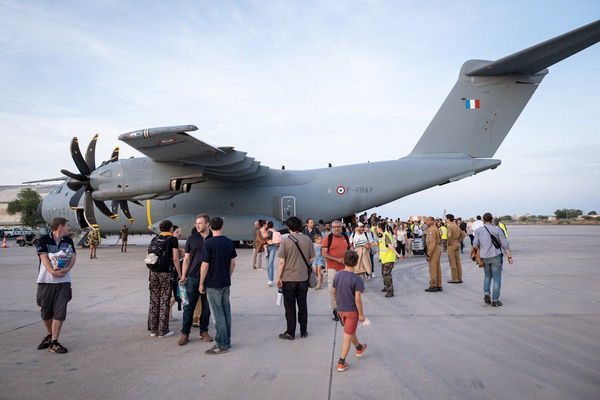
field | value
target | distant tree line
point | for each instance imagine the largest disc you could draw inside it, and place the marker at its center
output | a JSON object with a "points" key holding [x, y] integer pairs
{"points": [[568, 213]]}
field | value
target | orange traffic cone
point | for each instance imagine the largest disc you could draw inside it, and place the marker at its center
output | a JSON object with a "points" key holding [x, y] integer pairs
{"points": [[4, 245]]}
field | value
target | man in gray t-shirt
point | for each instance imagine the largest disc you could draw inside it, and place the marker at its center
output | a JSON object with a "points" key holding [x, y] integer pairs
{"points": [[293, 276], [491, 257]]}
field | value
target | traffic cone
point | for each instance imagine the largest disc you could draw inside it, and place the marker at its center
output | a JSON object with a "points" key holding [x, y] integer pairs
{"points": [[4, 245]]}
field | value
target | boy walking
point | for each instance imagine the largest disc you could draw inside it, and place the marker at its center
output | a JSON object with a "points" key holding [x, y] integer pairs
{"points": [[347, 289]]}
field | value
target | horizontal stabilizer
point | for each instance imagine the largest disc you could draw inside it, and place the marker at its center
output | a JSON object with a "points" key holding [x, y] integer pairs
{"points": [[536, 58]]}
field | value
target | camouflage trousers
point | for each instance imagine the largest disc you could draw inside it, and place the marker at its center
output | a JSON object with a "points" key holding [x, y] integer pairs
{"points": [[386, 271]]}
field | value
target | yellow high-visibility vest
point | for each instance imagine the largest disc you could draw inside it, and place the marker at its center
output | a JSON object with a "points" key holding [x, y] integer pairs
{"points": [[386, 254], [444, 232], [503, 227]]}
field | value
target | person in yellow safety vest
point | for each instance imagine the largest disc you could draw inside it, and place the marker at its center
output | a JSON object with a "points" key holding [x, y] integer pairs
{"points": [[501, 225], [387, 255], [94, 240], [444, 235]]}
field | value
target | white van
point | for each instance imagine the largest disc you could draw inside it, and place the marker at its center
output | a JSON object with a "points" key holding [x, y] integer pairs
{"points": [[21, 231]]}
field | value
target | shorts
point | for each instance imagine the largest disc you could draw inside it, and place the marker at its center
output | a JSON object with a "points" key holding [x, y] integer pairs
{"points": [[53, 299], [349, 320]]}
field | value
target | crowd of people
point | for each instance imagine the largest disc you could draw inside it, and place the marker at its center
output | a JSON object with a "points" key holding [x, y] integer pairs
{"points": [[342, 252]]}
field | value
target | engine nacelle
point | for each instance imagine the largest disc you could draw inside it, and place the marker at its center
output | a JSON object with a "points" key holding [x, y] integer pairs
{"points": [[142, 179]]}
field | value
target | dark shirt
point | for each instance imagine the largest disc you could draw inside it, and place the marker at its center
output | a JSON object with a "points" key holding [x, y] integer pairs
{"points": [[463, 226], [311, 234], [193, 247], [218, 253], [47, 245], [346, 285]]}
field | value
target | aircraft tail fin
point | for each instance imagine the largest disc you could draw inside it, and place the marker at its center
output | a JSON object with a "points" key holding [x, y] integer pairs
{"points": [[489, 96]]}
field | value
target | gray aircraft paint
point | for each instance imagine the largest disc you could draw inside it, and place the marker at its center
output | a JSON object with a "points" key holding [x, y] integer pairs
{"points": [[184, 176]]}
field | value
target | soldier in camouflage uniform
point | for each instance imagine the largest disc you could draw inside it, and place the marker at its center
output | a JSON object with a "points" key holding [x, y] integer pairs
{"points": [[387, 255]]}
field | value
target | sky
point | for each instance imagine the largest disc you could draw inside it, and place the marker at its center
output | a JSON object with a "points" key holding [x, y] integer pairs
{"points": [[300, 84]]}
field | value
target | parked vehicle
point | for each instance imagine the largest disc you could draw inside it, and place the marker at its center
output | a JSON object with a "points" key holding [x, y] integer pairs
{"points": [[418, 247], [26, 240], [22, 231]]}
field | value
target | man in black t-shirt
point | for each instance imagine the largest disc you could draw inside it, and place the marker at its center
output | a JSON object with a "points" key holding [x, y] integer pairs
{"points": [[311, 230], [190, 277], [218, 263]]}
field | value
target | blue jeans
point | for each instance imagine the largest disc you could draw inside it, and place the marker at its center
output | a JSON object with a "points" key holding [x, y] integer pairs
{"points": [[191, 288], [493, 270], [271, 260], [218, 298]]}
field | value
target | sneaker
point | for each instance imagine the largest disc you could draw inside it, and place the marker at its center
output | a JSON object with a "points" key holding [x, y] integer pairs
{"points": [[270, 283], [153, 334], [373, 275], [342, 367], [45, 343], [362, 350], [440, 289], [496, 303], [335, 316], [286, 336], [170, 333], [432, 289], [486, 299], [57, 348], [217, 350]]}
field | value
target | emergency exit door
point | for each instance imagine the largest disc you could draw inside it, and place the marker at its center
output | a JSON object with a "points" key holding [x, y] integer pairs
{"points": [[288, 207]]}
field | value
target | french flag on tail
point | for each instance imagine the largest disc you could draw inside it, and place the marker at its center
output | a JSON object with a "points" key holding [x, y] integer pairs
{"points": [[471, 104]]}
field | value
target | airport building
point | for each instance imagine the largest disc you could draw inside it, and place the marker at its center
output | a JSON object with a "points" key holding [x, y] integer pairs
{"points": [[9, 193]]}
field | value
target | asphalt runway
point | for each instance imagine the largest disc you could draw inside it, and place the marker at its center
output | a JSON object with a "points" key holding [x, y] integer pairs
{"points": [[544, 343]]}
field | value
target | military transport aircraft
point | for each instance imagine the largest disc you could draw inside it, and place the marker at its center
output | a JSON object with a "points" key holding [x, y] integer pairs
{"points": [[183, 176]]}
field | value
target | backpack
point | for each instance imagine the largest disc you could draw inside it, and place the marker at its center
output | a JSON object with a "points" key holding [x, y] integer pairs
{"points": [[276, 237], [330, 240], [157, 256]]}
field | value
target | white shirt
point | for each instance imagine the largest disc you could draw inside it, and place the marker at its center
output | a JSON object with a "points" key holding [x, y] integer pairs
{"points": [[477, 224], [401, 235], [360, 239]]}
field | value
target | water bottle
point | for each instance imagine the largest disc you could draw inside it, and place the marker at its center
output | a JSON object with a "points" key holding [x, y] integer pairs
{"points": [[183, 295], [279, 296]]}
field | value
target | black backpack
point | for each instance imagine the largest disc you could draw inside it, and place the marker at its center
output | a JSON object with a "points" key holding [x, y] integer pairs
{"points": [[330, 240], [157, 257]]}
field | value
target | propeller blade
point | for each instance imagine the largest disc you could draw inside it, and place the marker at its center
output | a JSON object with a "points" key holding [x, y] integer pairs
{"points": [[114, 156], [78, 177], [78, 158], [90, 154], [114, 206], [125, 208], [74, 200], [88, 210], [102, 207], [75, 184]]}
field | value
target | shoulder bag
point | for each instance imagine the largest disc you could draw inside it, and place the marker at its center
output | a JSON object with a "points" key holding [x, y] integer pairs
{"points": [[312, 278]]}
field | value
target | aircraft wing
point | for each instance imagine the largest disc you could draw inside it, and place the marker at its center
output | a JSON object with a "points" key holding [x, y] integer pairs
{"points": [[173, 144]]}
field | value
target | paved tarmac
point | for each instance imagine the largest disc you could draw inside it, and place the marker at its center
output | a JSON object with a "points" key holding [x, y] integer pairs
{"points": [[544, 343]]}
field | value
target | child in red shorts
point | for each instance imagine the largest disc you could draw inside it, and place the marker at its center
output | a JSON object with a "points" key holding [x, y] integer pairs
{"points": [[347, 288]]}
